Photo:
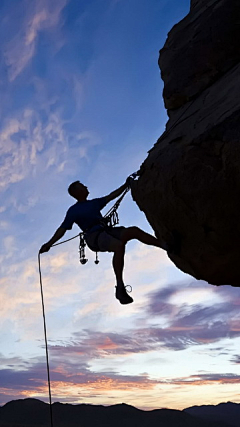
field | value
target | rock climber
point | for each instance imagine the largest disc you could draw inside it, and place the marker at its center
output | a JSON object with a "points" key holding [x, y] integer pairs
{"points": [[99, 237]]}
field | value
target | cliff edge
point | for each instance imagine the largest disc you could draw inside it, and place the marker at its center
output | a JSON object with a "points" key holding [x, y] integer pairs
{"points": [[189, 185]]}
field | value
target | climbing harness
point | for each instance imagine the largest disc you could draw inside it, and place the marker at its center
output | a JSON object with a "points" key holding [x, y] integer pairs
{"points": [[110, 219]]}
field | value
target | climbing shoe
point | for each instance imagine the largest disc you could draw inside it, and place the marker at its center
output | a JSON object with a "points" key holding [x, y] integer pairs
{"points": [[122, 295]]}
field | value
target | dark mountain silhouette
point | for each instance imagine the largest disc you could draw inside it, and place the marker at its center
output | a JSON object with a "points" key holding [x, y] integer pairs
{"points": [[34, 413], [225, 412]]}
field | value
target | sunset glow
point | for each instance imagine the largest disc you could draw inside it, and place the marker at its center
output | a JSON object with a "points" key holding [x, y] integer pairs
{"points": [[82, 100]]}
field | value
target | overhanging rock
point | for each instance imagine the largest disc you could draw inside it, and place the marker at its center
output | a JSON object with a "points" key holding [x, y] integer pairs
{"points": [[189, 185]]}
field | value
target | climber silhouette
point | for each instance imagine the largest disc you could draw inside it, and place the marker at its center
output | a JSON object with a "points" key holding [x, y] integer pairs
{"points": [[99, 237]]}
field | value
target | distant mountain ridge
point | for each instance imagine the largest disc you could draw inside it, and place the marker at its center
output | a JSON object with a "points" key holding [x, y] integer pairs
{"points": [[223, 412], [35, 413]]}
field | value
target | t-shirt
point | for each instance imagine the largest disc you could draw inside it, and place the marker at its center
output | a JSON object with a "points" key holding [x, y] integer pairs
{"points": [[85, 214]]}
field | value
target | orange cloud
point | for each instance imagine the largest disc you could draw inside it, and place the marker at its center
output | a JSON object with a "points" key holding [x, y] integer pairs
{"points": [[204, 379]]}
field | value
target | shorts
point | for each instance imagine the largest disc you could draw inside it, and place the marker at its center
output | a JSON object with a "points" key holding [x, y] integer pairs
{"points": [[106, 240]]}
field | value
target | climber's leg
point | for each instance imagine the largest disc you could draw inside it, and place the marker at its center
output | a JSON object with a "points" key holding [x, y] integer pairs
{"points": [[172, 245], [118, 264], [131, 233]]}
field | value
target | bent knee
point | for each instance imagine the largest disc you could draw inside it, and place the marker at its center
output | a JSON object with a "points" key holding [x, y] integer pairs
{"points": [[130, 233], [119, 247]]}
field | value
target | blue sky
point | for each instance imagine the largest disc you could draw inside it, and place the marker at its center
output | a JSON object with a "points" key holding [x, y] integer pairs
{"points": [[81, 99]]}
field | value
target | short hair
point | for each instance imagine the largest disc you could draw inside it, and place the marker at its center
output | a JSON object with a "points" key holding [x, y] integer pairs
{"points": [[71, 188]]}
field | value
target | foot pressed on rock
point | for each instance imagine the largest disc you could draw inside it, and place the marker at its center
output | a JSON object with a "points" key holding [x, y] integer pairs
{"points": [[122, 295]]}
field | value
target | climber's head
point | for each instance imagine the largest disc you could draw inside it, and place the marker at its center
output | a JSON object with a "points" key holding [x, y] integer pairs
{"points": [[78, 191]]}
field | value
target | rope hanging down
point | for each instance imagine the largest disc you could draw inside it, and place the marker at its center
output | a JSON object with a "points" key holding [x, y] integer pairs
{"points": [[45, 337]]}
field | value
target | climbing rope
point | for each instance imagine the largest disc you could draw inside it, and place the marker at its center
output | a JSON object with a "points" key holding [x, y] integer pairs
{"points": [[46, 344]]}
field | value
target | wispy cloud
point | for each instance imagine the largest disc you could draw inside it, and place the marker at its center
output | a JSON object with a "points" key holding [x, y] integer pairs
{"points": [[29, 147], [66, 378], [236, 359], [196, 323], [205, 379], [76, 382], [21, 47]]}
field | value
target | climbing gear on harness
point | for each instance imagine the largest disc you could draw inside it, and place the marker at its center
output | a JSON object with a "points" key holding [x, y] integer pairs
{"points": [[82, 245], [96, 260]]}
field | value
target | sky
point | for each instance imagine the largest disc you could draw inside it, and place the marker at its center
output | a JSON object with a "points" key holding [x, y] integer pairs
{"points": [[81, 99]]}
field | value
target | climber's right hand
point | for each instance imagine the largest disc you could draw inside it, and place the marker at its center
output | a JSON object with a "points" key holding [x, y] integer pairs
{"points": [[130, 179], [45, 248]]}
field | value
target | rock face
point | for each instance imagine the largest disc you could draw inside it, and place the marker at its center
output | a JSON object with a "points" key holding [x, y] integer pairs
{"points": [[189, 185]]}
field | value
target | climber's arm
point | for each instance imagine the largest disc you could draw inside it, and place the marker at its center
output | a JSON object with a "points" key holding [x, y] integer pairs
{"points": [[116, 193], [57, 235]]}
